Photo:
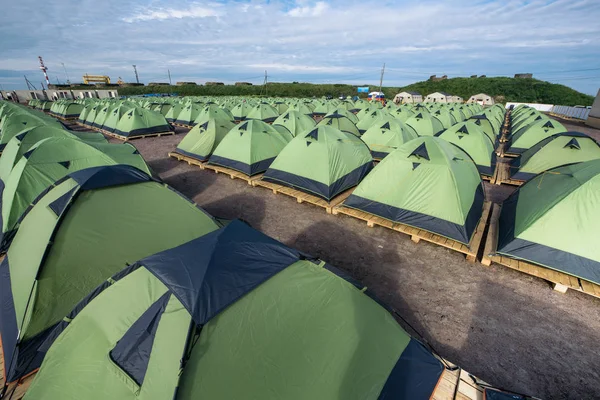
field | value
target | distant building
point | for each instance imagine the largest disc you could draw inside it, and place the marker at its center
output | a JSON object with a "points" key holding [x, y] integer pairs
{"points": [[158, 84], [214, 84], [435, 78], [483, 76], [473, 76], [438, 97], [23, 96], [524, 76], [481, 98], [593, 119], [185, 83], [455, 99], [243, 84], [408, 97]]}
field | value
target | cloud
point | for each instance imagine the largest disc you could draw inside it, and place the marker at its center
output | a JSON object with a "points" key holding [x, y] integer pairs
{"points": [[318, 9], [303, 40], [194, 11]]}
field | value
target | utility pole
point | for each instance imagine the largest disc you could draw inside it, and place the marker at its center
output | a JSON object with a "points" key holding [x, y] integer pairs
{"points": [[381, 79], [169, 71], [66, 75], [29, 84], [265, 82], [137, 79]]}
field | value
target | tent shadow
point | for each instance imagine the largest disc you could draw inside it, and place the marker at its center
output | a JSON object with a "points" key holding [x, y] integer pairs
{"points": [[244, 206], [161, 166], [523, 349], [189, 182]]}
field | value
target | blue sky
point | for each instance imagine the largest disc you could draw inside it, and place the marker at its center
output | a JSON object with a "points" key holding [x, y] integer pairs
{"points": [[337, 41]]}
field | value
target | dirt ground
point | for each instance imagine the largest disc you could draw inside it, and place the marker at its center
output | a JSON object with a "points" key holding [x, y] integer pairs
{"points": [[503, 326]]}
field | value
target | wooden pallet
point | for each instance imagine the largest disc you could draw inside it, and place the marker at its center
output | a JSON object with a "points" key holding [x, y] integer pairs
{"points": [[417, 234], [233, 174], [189, 160], [181, 125], [16, 390], [560, 281], [457, 385], [501, 151], [127, 138], [303, 197], [502, 175]]}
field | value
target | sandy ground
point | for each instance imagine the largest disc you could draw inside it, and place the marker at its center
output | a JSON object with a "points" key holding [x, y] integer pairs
{"points": [[505, 327]]}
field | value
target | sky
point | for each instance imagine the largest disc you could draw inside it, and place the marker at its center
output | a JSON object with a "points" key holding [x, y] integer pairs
{"points": [[325, 41]]}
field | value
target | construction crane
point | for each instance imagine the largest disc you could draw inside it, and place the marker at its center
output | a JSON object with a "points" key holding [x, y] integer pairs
{"points": [[96, 79], [44, 70]]}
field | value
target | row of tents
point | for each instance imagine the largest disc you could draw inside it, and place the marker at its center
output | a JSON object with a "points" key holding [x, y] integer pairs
{"points": [[114, 285], [538, 143], [553, 218]]}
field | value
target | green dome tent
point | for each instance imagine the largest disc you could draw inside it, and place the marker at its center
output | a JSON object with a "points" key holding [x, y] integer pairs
{"points": [[324, 162], [343, 111], [203, 138], [250, 147], [16, 123], [188, 114], [424, 124], [139, 121], [84, 112], [553, 220], [240, 112], [445, 117], [76, 236], [91, 115], [340, 122], [174, 112], [250, 317], [386, 136], [368, 120], [531, 134], [473, 141], [213, 111], [402, 113], [488, 126], [303, 108], [162, 108], [103, 114], [263, 112], [48, 161], [22, 143], [555, 151], [295, 122], [113, 118], [280, 106], [427, 183]]}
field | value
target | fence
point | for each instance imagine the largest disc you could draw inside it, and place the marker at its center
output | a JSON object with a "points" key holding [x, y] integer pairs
{"points": [[580, 113]]}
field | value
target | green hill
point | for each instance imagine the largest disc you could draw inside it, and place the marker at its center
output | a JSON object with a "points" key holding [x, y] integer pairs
{"points": [[503, 89], [506, 89]]}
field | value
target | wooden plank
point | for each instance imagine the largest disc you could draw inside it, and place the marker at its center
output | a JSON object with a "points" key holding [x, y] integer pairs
{"points": [[302, 197], [127, 138], [233, 174], [416, 235], [189, 160], [503, 175], [16, 390]]}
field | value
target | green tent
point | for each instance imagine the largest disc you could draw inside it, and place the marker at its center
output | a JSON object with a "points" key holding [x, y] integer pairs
{"points": [[424, 124], [48, 161], [473, 141], [240, 111], [531, 134], [91, 115], [139, 121], [343, 111], [188, 114], [295, 122], [489, 127], [16, 123], [113, 118], [203, 138], [233, 314], [370, 118], [555, 151], [174, 112], [281, 107], [445, 117], [386, 136], [162, 108], [402, 113], [553, 220], [340, 122], [22, 143], [84, 112], [103, 114], [427, 183], [263, 112], [76, 236], [303, 108], [250, 147], [213, 111], [324, 162]]}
